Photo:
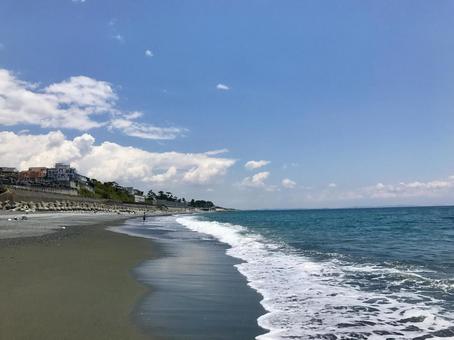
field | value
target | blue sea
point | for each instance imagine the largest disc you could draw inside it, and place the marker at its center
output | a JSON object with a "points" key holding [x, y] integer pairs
{"points": [[344, 274], [317, 274]]}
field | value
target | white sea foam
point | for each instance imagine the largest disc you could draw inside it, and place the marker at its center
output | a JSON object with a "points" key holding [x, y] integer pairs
{"points": [[312, 300]]}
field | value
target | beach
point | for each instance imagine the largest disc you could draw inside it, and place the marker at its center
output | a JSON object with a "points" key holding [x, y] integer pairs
{"points": [[110, 276], [233, 275], [73, 283]]}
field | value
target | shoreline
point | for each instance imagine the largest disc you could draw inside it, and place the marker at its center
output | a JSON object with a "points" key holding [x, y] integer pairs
{"points": [[197, 291], [72, 283]]}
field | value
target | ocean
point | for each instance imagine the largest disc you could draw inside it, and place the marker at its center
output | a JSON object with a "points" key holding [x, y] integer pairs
{"points": [[337, 274]]}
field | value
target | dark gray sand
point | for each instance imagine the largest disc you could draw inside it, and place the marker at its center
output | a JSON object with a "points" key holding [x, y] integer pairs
{"points": [[73, 284]]}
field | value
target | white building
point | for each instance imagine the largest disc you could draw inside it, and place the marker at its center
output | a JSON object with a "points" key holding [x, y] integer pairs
{"points": [[139, 199]]}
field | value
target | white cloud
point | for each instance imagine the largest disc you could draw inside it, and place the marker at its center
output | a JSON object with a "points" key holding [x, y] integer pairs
{"points": [[148, 53], [84, 93], [110, 161], [384, 193], [288, 183], [69, 104], [256, 181], [252, 165], [332, 185], [222, 87], [119, 38], [78, 1], [411, 189], [80, 103], [216, 152], [145, 131]]}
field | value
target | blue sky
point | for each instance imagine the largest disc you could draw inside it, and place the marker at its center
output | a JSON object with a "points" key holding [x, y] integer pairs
{"points": [[351, 101]]}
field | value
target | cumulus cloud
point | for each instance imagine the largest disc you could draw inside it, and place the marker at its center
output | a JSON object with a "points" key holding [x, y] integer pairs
{"points": [[222, 87], [288, 183], [148, 53], [332, 185], [109, 161], [252, 165], [80, 103], [256, 181], [69, 104]]}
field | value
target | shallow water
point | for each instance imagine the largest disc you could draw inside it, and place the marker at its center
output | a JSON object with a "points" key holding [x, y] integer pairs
{"points": [[196, 291]]}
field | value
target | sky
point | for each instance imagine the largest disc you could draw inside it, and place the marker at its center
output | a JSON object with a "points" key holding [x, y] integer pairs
{"points": [[252, 104]]}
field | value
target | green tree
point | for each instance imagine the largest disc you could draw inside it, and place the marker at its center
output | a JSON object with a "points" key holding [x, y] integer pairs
{"points": [[151, 195]]}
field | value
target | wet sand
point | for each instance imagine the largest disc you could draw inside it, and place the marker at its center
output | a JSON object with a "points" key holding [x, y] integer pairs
{"points": [[197, 292], [72, 284]]}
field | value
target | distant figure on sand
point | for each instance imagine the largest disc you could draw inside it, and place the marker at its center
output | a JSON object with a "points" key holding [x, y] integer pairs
{"points": [[144, 217]]}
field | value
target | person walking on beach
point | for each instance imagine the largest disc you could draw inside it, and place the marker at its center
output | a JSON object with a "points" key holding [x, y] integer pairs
{"points": [[144, 216]]}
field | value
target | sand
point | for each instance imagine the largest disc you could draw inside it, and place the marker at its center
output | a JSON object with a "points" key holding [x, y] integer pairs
{"points": [[38, 224], [72, 284]]}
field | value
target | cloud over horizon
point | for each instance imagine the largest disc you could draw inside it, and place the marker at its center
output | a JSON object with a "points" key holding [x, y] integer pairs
{"points": [[110, 161], [410, 189], [401, 193]]}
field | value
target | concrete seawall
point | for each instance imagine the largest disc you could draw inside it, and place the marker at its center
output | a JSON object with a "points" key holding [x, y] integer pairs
{"points": [[15, 194]]}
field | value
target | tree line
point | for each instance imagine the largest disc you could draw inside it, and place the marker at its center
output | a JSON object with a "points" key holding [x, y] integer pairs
{"points": [[168, 196], [113, 191]]}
